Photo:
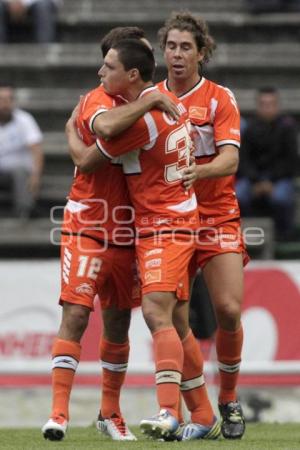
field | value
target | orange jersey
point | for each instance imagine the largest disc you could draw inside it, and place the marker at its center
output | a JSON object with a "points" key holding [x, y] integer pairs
{"points": [[160, 152], [215, 120], [98, 202]]}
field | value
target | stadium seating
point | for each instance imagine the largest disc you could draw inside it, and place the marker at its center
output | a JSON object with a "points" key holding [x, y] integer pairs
{"points": [[252, 50]]}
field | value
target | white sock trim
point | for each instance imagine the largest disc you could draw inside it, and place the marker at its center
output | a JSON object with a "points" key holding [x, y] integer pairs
{"points": [[193, 383], [168, 376], [229, 368], [64, 362], [114, 367]]}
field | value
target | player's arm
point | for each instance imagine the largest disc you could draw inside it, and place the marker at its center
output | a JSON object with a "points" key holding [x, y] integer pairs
{"points": [[113, 122], [226, 163], [137, 136], [87, 159]]}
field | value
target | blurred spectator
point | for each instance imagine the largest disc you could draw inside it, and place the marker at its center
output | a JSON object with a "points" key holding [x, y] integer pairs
{"points": [[21, 157], [268, 162], [267, 6], [41, 12]]}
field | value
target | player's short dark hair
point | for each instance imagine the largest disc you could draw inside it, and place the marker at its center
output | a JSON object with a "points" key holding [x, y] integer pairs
{"points": [[118, 34], [134, 54]]}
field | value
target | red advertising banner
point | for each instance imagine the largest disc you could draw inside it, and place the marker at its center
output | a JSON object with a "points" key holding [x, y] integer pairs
{"points": [[30, 317]]}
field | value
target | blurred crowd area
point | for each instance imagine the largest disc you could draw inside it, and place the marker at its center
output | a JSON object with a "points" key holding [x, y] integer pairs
{"points": [[50, 55]]}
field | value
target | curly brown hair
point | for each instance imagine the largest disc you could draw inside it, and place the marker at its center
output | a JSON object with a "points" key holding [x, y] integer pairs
{"points": [[185, 21]]}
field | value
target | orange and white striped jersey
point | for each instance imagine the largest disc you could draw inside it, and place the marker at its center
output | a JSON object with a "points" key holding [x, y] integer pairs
{"points": [[98, 202], [215, 120], [160, 151]]}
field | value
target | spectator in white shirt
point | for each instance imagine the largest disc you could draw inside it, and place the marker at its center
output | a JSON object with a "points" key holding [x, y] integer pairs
{"points": [[42, 12], [21, 156]]}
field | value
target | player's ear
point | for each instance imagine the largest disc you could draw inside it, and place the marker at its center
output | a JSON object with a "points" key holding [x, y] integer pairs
{"points": [[134, 74], [201, 54]]}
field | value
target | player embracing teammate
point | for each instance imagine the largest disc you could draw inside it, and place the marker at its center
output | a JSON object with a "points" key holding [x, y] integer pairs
{"points": [[220, 254], [155, 155]]}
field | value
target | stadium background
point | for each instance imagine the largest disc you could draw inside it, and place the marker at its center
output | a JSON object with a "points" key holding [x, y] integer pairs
{"points": [[252, 50]]}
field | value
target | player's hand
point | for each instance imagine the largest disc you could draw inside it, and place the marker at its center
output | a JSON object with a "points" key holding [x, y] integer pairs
{"points": [[189, 176], [164, 103]]}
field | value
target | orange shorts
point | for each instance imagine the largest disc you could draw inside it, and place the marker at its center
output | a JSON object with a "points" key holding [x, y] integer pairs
{"points": [[215, 240], [88, 269], [163, 265]]}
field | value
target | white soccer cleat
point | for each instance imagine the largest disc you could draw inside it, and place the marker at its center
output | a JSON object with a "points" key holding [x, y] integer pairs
{"points": [[115, 427], [55, 429], [161, 426]]}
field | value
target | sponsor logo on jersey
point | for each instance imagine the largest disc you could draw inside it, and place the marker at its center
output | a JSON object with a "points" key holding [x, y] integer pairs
{"points": [[227, 236], [154, 251], [153, 276], [84, 288], [235, 131], [229, 244], [153, 263], [197, 112]]}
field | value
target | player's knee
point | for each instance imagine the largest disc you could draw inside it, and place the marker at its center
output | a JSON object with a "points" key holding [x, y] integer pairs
{"points": [[182, 326], [157, 312], [116, 325], [228, 314], [155, 322], [75, 320], [155, 318]]}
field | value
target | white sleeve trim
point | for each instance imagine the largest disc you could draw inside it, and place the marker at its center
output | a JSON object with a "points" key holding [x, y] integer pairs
{"points": [[228, 141], [92, 119], [102, 150], [152, 129]]}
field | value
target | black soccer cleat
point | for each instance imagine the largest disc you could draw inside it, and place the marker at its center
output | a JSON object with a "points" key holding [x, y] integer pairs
{"points": [[233, 420]]}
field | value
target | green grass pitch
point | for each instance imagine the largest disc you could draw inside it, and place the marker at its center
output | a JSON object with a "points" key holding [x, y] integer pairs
{"points": [[258, 437]]}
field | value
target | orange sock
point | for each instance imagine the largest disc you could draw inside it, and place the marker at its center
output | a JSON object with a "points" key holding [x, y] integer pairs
{"points": [[229, 348], [65, 359], [114, 360], [168, 356], [193, 386]]}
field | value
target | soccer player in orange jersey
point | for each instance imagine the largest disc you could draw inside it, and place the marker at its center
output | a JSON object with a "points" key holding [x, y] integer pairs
{"points": [[215, 120], [164, 218], [96, 258]]}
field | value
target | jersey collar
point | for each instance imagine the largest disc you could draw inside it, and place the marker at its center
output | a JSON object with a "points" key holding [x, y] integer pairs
{"points": [[197, 86], [147, 90]]}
